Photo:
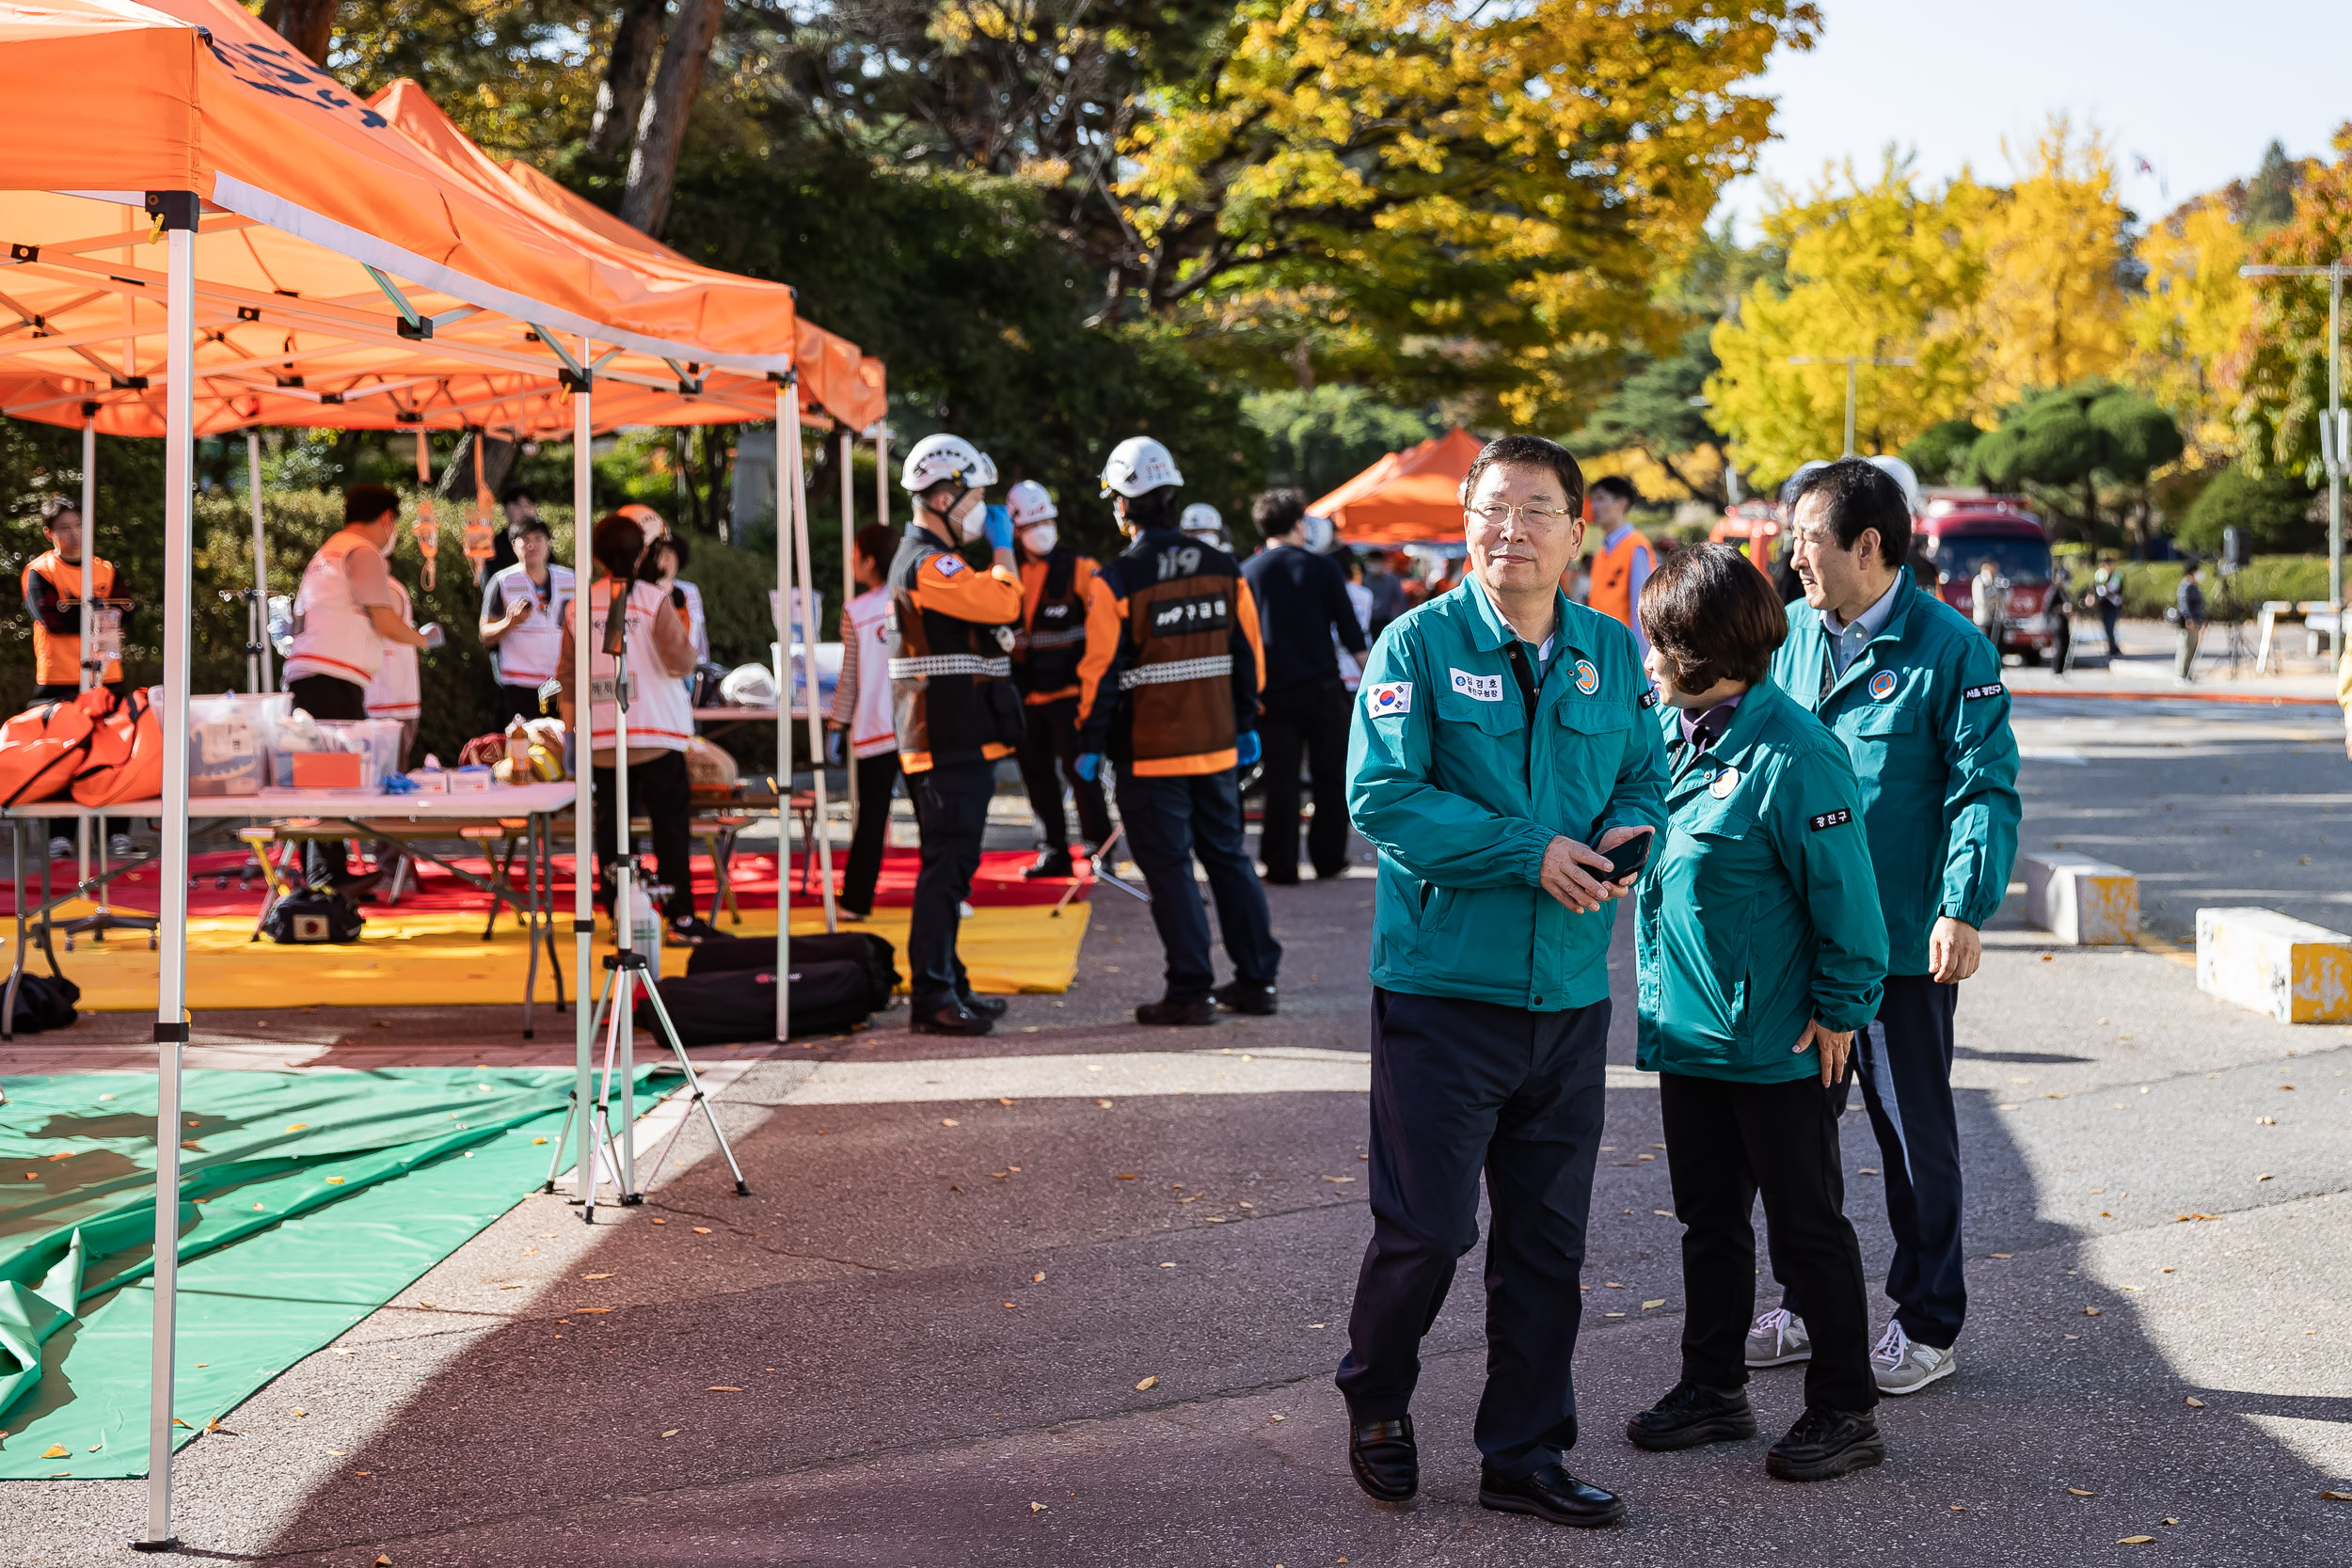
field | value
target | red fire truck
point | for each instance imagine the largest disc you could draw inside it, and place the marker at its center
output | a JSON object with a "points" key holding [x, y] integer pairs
{"points": [[1960, 532]]}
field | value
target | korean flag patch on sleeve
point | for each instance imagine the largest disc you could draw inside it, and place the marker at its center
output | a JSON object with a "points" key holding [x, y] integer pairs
{"points": [[1388, 698], [948, 564]]}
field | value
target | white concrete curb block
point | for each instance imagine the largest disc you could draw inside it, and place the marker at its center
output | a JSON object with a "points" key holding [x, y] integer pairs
{"points": [[2294, 971], [2085, 903]]}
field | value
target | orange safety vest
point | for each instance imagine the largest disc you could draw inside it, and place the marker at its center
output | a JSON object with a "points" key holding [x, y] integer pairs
{"points": [[1612, 576], [58, 656]]}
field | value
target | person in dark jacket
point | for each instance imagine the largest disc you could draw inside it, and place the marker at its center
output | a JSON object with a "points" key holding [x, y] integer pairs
{"points": [[2188, 614], [1302, 602]]}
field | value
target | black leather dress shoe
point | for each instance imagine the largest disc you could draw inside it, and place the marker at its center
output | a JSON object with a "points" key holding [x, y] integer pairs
{"points": [[947, 1018], [1689, 1415], [1246, 996], [1548, 1492], [1385, 1460], [1049, 863], [987, 1006], [1187, 1015], [1826, 1443]]}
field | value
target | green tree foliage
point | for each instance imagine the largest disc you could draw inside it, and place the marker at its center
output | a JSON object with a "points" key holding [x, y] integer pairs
{"points": [[1316, 438], [2270, 195], [2285, 372], [1940, 454], [2058, 445], [1658, 410], [2274, 510]]}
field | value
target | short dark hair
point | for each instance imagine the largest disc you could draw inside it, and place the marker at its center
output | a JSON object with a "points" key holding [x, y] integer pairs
{"points": [[532, 524], [619, 544], [1713, 617], [365, 503], [1618, 485], [1154, 508], [517, 492], [876, 543], [1533, 451], [1859, 496], [1278, 510], [675, 544]]}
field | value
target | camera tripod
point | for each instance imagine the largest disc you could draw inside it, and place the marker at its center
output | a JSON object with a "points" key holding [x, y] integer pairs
{"points": [[601, 1147]]}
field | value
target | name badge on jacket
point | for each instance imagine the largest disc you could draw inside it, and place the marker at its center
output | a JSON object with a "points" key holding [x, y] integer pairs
{"points": [[1484, 689]]}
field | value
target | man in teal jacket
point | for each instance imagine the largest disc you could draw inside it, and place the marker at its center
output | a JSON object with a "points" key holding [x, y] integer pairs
{"points": [[1916, 693], [1501, 746]]}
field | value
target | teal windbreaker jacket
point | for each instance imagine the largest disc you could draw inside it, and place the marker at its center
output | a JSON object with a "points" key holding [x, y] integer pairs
{"points": [[1925, 717], [1460, 788], [1757, 913]]}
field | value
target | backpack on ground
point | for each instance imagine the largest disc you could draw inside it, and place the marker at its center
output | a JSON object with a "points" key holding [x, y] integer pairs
{"points": [[870, 952], [41, 750], [126, 753], [44, 1002], [738, 1007], [303, 918]]}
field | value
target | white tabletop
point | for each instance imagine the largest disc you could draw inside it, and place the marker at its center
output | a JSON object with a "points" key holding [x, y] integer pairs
{"points": [[471, 806], [754, 715]]}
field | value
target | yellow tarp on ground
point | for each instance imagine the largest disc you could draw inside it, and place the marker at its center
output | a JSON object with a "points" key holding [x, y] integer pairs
{"points": [[440, 961]]}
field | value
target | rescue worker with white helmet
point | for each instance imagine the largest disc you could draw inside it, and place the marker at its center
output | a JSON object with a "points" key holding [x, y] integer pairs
{"points": [[1203, 522], [1169, 691], [1054, 582], [953, 704]]}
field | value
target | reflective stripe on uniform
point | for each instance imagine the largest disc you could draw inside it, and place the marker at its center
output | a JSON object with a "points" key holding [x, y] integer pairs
{"points": [[949, 664], [1174, 670], [1054, 638]]}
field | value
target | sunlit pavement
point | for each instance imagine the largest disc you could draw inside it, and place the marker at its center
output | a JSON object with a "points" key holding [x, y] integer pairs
{"points": [[859, 1364]]}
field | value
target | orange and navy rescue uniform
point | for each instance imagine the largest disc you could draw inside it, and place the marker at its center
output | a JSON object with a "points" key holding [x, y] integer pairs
{"points": [[951, 693], [1173, 663], [1053, 639]]}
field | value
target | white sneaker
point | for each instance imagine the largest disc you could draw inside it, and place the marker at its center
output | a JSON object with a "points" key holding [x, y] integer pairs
{"points": [[1902, 1365], [122, 846], [1777, 1338], [60, 848]]}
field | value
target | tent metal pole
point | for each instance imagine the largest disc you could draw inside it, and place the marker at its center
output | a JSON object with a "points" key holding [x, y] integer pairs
{"points": [[258, 677], [822, 849], [788, 452], [85, 675], [584, 802], [849, 592], [178, 209]]}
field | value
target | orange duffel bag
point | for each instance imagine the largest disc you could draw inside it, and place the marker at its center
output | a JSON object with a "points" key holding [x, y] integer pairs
{"points": [[126, 753], [41, 750]]}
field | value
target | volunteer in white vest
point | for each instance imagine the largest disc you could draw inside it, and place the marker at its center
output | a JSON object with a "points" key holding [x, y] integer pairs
{"points": [[395, 692], [660, 720], [861, 713], [522, 618], [345, 616]]}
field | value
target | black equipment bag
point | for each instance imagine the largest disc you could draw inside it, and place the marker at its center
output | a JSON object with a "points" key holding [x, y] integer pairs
{"points": [[313, 917], [878, 957], [736, 1007], [44, 1002]]}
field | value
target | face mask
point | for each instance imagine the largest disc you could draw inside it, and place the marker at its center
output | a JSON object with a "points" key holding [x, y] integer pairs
{"points": [[1319, 533], [967, 514], [1040, 539]]}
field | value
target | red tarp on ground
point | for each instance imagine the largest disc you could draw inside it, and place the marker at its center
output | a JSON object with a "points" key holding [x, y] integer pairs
{"points": [[1408, 498]]}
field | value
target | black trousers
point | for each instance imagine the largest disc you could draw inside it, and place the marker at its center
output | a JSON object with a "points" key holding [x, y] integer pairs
{"points": [[1170, 822], [952, 810], [325, 697], [1049, 760], [1458, 1086], [517, 702], [1727, 1142], [1905, 1060], [1310, 720], [869, 834], [658, 792]]}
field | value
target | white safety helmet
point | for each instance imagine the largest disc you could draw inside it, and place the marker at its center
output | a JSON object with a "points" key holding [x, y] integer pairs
{"points": [[1788, 487], [1202, 521], [1138, 466], [1900, 472], [937, 458], [1030, 502]]}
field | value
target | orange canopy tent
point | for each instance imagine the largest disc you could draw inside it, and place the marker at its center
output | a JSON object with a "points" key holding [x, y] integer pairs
{"points": [[194, 220], [1407, 497]]}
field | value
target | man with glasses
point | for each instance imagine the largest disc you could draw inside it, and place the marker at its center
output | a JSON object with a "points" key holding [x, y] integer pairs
{"points": [[1503, 746]]}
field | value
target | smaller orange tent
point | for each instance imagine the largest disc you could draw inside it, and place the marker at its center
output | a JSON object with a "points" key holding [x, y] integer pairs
{"points": [[1409, 496]]}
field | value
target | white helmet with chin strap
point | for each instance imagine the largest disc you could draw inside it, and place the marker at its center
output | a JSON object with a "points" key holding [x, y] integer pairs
{"points": [[1203, 521], [1030, 502], [937, 459], [1902, 474], [1138, 466]]}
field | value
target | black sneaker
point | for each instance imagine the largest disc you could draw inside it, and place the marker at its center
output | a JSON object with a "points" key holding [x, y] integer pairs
{"points": [[1826, 1443], [947, 1017], [1186, 1015], [1049, 863], [987, 1006], [1246, 996], [1689, 1415]]}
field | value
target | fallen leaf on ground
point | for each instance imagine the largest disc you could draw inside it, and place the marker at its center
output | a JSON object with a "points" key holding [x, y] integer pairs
{"points": [[1648, 1305], [538, 1140], [297, 1126], [383, 1563], [2135, 1541], [1037, 1507], [702, 1230], [2196, 1403], [56, 1451], [1147, 1383], [1125, 1177], [2264, 1177], [332, 1181], [595, 1276], [2338, 1497], [2091, 1311], [1008, 1303], [722, 1388], [2004, 1257], [1613, 1314], [2080, 1493], [673, 1432], [1002, 1101], [299, 1411], [661, 1222], [1663, 1213], [577, 1311], [949, 1121], [1037, 1280]]}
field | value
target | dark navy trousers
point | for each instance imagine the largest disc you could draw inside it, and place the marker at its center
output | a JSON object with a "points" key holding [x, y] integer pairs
{"points": [[1459, 1087], [1905, 1060], [1170, 821]]}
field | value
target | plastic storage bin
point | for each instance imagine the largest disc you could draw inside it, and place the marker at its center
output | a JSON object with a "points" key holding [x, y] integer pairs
{"points": [[228, 741]]}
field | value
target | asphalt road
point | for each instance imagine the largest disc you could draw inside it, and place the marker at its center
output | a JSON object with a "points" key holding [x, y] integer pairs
{"points": [[861, 1364]]}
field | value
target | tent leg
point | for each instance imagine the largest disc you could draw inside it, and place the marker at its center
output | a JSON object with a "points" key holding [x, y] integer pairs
{"points": [[583, 805], [849, 592], [178, 209], [823, 846], [787, 480], [258, 675], [89, 553]]}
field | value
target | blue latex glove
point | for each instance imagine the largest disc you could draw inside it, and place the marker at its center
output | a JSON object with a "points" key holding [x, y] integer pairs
{"points": [[1089, 764], [836, 747], [1247, 748], [998, 526]]}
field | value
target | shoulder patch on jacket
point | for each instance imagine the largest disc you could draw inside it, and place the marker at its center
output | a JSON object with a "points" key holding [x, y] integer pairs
{"points": [[1976, 691], [1649, 696], [948, 564], [1837, 819], [1386, 699]]}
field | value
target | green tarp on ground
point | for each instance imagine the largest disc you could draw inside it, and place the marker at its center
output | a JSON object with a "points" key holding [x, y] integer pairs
{"points": [[309, 1199]]}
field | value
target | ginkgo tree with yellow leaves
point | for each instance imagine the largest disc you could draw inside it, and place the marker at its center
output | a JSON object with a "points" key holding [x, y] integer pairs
{"points": [[2188, 326]]}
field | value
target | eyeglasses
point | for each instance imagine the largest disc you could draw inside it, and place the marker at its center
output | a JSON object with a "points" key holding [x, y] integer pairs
{"points": [[1497, 514]]}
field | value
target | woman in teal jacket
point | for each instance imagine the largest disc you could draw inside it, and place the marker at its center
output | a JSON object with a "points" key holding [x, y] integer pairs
{"points": [[1760, 949]]}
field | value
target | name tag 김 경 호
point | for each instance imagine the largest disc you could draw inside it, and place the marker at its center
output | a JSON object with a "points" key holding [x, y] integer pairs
{"points": [[1483, 689]]}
